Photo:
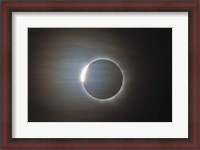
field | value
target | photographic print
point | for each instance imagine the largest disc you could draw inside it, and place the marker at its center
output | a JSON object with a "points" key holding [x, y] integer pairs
{"points": [[99, 74], [91, 74]]}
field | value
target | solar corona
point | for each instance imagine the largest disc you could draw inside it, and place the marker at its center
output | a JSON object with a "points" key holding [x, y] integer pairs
{"points": [[102, 79]]}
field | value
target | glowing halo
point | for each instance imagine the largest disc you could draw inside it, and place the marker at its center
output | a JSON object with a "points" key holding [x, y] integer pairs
{"points": [[84, 73], [83, 77]]}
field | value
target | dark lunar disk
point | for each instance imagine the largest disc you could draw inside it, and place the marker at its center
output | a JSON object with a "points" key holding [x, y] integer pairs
{"points": [[104, 79]]}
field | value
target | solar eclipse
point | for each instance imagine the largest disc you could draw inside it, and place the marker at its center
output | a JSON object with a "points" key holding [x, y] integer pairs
{"points": [[102, 79], [99, 74]]}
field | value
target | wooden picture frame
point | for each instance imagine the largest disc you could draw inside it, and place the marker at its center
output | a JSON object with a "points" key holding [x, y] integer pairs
{"points": [[190, 6]]}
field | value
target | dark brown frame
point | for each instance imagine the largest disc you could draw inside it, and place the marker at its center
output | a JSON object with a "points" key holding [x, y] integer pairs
{"points": [[190, 6]]}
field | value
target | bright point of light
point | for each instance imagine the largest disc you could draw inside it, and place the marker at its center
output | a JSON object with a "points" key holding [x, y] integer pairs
{"points": [[83, 73]]}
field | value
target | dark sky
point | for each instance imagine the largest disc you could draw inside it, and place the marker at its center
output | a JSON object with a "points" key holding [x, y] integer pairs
{"points": [[57, 56]]}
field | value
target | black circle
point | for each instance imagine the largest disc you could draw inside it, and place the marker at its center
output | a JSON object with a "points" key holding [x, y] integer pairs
{"points": [[103, 79]]}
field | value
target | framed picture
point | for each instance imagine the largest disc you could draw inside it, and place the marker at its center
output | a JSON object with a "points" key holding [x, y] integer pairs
{"points": [[100, 74]]}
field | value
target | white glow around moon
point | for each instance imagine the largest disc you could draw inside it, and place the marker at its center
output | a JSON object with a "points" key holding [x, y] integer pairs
{"points": [[84, 73], [83, 77]]}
